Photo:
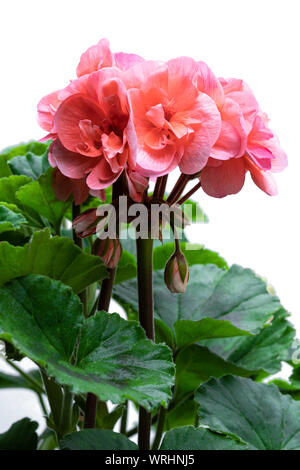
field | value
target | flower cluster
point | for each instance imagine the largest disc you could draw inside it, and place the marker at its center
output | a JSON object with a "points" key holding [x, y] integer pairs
{"points": [[125, 116]]}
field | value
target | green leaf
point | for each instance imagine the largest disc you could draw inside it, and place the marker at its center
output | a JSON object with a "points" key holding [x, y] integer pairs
{"points": [[20, 436], [196, 364], [97, 439], [37, 148], [126, 267], [237, 296], [194, 253], [190, 438], [56, 257], [181, 414], [114, 360], [257, 413], [9, 186], [106, 420], [264, 351], [30, 165], [40, 197], [10, 218]]}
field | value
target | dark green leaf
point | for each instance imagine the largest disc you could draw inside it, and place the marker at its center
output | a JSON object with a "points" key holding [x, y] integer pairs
{"points": [[264, 351], [37, 148], [196, 364], [56, 257], [190, 438], [97, 439], [114, 360], [257, 413], [20, 436], [237, 296], [10, 217], [30, 165]]}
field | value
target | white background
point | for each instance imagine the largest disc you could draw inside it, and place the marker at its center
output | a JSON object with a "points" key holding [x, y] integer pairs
{"points": [[257, 40]]}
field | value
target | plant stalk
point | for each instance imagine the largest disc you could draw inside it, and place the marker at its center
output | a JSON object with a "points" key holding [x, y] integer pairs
{"points": [[160, 428], [145, 296]]}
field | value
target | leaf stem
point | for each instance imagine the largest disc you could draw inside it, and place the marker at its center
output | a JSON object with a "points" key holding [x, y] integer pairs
{"points": [[124, 419], [160, 428], [145, 296], [30, 380], [67, 412]]}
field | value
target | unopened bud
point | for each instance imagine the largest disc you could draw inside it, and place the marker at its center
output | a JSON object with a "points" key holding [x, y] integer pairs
{"points": [[177, 273], [86, 223], [109, 250]]}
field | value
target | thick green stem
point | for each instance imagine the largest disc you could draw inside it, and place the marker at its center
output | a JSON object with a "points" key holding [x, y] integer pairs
{"points": [[160, 428], [55, 398], [145, 296], [67, 412]]}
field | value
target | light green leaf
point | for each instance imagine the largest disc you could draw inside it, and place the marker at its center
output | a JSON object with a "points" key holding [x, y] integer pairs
{"points": [[104, 354], [9, 186], [97, 439], [190, 438], [56, 257], [20, 436], [257, 413], [40, 197]]}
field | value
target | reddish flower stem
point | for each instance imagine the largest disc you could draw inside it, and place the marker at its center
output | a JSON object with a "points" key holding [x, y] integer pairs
{"points": [[189, 194], [145, 296]]}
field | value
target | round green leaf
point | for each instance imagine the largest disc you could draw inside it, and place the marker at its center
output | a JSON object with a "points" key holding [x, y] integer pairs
{"points": [[97, 439], [20, 436], [257, 413], [190, 438]]}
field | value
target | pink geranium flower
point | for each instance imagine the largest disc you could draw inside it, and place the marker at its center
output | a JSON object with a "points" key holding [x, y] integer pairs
{"points": [[176, 124], [257, 148], [94, 133]]}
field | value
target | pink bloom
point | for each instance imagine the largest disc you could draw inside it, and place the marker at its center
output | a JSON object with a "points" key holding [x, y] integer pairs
{"points": [[94, 136], [259, 150], [100, 56], [176, 124], [64, 187]]}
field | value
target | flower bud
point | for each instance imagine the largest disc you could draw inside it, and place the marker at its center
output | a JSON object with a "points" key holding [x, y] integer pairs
{"points": [[109, 250], [85, 224], [177, 273]]}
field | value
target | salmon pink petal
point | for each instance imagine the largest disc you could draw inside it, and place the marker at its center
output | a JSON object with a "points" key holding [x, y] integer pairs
{"points": [[279, 162], [64, 187], [196, 153], [156, 115], [223, 180], [102, 176], [125, 61], [71, 164], [263, 179], [95, 58], [136, 76], [70, 114], [156, 139], [182, 83], [208, 83], [152, 162], [112, 144], [47, 108], [233, 136]]}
